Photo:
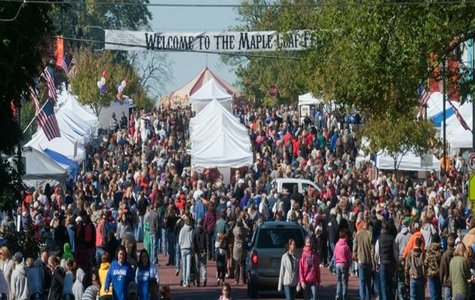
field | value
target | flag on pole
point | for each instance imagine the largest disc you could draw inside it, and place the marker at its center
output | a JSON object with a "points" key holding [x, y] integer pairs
{"points": [[459, 117], [423, 99], [64, 65], [46, 117], [49, 76]]}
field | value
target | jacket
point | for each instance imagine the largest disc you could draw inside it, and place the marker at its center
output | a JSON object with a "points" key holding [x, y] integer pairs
{"points": [[185, 238], [386, 252], [78, 287], [101, 235], [445, 267], [432, 260], [402, 239], [415, 264], [459, 274], [119, 276], [342, 253], [57, 281], [309, 267], [363, 248], [34, 280], [412, 242], [102, 279], [19, 283], [210, 221], [289, 270], [199, 240]]}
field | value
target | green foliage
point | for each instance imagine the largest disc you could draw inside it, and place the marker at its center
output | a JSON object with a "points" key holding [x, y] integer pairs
{"points": [[25, 242], [89, 68], [10, 185], [370, 55]]}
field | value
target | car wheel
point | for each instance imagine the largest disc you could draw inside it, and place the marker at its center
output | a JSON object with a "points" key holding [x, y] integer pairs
{"points": [[251, 289]]}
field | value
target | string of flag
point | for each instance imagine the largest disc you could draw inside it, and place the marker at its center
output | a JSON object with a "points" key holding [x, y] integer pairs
{"points": [[46, 117]]}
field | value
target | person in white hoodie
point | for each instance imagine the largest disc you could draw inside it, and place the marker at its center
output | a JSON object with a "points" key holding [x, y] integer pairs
{"points": [[185, 239], [19, 281], [289, 267], [78, 287], [33, 275]]}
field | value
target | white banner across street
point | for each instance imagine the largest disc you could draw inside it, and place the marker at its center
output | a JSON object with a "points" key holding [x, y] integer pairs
{"points": [[225, 42]]}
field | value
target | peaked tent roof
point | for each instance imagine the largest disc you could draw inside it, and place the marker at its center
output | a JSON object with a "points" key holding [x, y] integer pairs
{"points": [[39, 166], [210, 91], [196, 83]]}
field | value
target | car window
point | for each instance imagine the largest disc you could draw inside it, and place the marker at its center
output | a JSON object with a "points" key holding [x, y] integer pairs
{"points": [[278, 237], [305, 186], [288, 186]]}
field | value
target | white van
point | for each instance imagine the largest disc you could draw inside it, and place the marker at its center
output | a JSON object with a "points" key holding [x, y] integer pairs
{"points": [[281, 184]]}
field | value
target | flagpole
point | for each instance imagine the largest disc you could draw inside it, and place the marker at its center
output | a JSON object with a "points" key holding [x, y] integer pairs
{"points": [[444, 115], [34, 118]]}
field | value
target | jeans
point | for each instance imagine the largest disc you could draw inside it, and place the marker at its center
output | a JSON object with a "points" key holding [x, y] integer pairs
{"points": [[290, 292], [364, 279], [435, 288], [331, 251], [401, 290], [210, 244], [178, 257], [376, 282], [139, 230], [186, 258], [416, 287], [310, 292], [342, 282], [240, 269], [153, 247], [200, 259], [164, 240], [448, 293], [386, 275], [173, 250]]}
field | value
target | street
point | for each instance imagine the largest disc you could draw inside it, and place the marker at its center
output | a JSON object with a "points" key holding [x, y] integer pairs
{"points": [[212, 291]]}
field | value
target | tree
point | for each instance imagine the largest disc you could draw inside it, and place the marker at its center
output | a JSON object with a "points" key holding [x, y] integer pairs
{"points": [[370, 55], [22, 46], [89, 69]]}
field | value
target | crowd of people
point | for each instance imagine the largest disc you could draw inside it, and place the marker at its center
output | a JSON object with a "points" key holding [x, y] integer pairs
{"points": [[394, 231]]}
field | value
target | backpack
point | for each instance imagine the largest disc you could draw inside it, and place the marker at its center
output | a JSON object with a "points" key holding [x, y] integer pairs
{"points": [[416, 270]]}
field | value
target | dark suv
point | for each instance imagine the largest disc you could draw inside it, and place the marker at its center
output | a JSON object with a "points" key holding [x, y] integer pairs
{"points": [[266, 249]]}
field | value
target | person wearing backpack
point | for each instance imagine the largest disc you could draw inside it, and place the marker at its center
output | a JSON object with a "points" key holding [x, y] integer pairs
{"points": [[415, 274]]}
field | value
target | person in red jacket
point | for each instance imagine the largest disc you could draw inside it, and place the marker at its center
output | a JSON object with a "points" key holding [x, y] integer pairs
{"points": [[309, 271]]}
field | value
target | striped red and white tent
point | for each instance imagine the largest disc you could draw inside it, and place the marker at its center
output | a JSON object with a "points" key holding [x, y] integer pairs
{"points": [[198, 81]]}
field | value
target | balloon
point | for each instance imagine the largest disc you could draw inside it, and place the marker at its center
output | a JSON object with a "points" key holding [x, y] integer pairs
{"points": [[103, 89], [104, 73], [120, 89], [124, 84], [103, 80], [99, 84]]}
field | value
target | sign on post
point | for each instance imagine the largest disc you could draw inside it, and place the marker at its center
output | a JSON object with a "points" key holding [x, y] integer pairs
{"points": [[471, 161]]}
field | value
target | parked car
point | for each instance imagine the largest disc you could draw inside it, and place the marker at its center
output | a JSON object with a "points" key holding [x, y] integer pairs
{"points": [[266, 248], [281, 184]]}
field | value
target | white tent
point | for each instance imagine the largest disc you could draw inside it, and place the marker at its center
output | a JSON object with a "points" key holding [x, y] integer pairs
{"points": [[435, 104], [218, 139], [211, 90], [407, 162], [309, 99], [71, 105], [71, 131], [62, 145], [41, 168], [461, 138]]}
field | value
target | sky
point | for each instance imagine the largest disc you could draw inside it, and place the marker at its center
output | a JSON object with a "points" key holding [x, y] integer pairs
{"points": [[185, 66]]}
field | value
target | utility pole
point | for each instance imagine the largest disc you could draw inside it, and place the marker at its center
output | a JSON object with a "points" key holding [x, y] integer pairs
{"points": [[444, 115]]}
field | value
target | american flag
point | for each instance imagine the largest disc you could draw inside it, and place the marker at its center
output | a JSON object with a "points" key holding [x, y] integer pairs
{"points": [[459, 117], [64, 65], [424, 97], [46, 117], [48, 75]]}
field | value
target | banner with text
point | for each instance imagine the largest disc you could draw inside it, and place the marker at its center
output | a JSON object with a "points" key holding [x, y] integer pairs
{"points": [[226, 42]]}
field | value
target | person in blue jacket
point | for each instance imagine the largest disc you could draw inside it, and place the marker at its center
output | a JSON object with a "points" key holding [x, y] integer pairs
{"points": [[120, 274]]}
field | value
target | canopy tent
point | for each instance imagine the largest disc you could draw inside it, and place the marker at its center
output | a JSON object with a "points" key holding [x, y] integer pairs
{"points": [[79, 125], [309, 99], [62, 145], [71, 131], [438, 118], [406, 162], [198, 81], [208, 92], [435, 104], [461, 138], [40, 167], [65, 162], [218, 140], [210, 117], [71, 105]]}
